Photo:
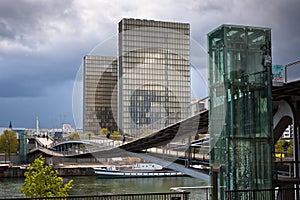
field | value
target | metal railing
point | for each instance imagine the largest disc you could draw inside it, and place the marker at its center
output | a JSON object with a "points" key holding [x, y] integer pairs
{"points": [[204, 190], [171, 118], [266, 194], [286, 168], [145, 196]]}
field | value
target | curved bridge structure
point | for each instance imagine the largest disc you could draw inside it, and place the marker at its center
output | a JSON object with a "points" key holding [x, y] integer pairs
{"points": [[109, 148], [286, 101]]}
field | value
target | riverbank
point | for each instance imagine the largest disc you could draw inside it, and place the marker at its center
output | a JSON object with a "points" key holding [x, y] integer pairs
{"points": [[17, 171]]}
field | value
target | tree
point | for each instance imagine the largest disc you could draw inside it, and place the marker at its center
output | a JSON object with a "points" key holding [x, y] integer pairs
{"points": [[43, 181], [8, 143], [284, 146], [116, 136], [290, 149], [89, 134], [74, 136], [104, 131]]}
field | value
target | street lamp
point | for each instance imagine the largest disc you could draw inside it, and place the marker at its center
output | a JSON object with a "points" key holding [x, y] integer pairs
{"points": [[5, 150]]}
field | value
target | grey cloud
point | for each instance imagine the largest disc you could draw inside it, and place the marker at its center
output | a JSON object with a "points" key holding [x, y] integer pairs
{"points": [[30, 76], [213, 5], [51, 56], [5, 31], [27, 21], [286, 31], [18, 89]]}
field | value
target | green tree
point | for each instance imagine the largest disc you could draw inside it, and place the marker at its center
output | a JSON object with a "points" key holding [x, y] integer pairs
{"points": [[104, 131], [116, 136], [8, 143], [290, 149], [89, 134], [43, 181], [74, 136], [283, 146], [279, 146]]}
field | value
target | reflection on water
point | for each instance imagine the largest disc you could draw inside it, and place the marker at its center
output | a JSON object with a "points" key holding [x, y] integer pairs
{"points": [[9, 187], [93, 185]]}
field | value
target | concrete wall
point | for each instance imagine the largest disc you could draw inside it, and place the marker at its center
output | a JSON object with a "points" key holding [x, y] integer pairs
{"points": [[14, 158]]}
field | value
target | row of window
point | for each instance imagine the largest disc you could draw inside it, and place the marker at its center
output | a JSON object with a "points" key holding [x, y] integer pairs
{"points": [[168, 41], [157, 77], [110, 63], [158, 63], [180, 50], [165, 56], [155, 30]]}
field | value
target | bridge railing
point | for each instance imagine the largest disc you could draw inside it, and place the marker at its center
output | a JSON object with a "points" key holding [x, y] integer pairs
{"points": [[170, 119], [157, 196], [174, 154], [285, 169], [202, 192], [264, 194], [106, 145], [290, 70]]}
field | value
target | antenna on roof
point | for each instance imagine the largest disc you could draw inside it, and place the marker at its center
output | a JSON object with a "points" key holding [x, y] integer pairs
{"points": [[37, 126]]}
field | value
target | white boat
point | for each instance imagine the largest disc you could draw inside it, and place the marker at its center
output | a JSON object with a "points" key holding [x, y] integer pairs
{"points": [[139, 170]]}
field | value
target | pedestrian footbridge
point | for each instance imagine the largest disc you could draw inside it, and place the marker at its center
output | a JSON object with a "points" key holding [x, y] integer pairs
{"points": [[155, 146]]}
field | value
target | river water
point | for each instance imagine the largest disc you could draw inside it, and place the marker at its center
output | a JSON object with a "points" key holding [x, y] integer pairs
{"points": [[91, 185]]}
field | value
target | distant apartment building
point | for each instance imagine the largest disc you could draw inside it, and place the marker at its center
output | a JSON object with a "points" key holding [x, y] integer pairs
{"points": [[154, 72], [198, 105], [100, 79], [288, 133], [152, 79]]}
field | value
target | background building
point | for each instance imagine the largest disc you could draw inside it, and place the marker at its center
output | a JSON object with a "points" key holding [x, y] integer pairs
{"points": [[154, 74], [100, 79], [148, 88]]}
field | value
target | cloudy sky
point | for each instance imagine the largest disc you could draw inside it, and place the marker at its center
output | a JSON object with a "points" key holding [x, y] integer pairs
{"points": [[42, 43]]}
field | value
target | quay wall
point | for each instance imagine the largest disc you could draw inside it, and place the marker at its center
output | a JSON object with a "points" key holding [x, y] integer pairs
{"points": [[18, 171]]}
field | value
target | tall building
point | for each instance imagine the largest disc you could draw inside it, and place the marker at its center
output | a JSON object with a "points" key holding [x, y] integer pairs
{"points": [[148, 88], [100, 80], [154, 74]]}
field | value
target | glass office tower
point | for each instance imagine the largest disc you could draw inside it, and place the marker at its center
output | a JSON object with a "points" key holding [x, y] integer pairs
{"points": [[100, 101], [153, 74], [240, 110]]}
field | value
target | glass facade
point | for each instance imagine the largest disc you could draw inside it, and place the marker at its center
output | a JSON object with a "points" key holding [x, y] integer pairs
{"points": [[100, 101], [22, 145], [240, 108], [154, 74]]}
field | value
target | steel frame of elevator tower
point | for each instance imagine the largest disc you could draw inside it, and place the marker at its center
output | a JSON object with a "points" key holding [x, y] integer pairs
{"points": [[240, 121]]}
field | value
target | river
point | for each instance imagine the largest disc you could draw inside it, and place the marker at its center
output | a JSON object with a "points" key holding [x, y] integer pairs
{"points": [[91, 185]]}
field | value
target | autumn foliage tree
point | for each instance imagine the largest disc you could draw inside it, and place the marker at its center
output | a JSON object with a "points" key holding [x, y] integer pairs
{"points": [[43, 181], [104, 131], [74, 136], [8, 142]]}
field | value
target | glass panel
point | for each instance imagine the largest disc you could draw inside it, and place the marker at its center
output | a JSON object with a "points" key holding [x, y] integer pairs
{"points": [[240, 107]]}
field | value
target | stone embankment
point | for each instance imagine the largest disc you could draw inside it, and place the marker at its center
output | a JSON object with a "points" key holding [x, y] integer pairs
{"points": [[17, 171]]}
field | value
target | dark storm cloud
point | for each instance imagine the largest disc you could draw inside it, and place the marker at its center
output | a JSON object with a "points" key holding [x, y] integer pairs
{"points": [[5, 31], [30, 78], [18, 89], [212, 6], [281, 16], [286, 31], [33, 51], [21, 21], [42, 42]]}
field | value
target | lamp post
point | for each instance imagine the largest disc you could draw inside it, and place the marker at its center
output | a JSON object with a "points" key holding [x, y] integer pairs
{"points": [[5, 150]]}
